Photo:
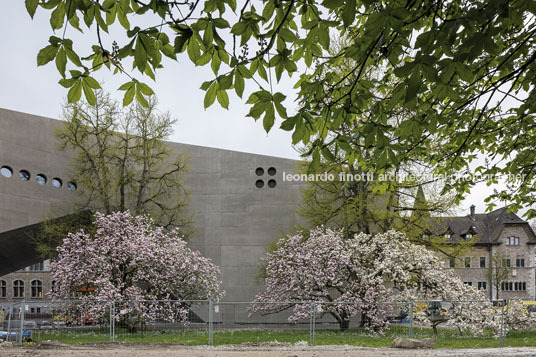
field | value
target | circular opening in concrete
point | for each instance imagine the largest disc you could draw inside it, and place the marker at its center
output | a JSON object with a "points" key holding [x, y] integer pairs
{"points": [[71, 186], [272, 171], [41, 179], [24, 175], [259, 171], [56, 182], [272, 183], [6, 171], [259, 183]]}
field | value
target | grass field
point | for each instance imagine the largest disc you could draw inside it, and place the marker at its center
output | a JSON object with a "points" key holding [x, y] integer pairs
{"points": [[447, 338]]}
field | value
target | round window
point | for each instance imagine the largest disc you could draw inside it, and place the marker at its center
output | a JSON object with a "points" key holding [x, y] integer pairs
{"points": [[41, 179], [24, 175], [6, 171], [56, 182], [71, 186], [272, 171], [259, 171], [272, 183], [259, 183]]}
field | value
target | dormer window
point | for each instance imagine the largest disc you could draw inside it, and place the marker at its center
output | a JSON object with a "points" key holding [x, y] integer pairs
{"points": [[512, 240], [469, 236], [447, 236], [425, 235]]}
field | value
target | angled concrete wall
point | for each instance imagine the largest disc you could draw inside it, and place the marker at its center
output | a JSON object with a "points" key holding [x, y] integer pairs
{"points": [[234, 219]]}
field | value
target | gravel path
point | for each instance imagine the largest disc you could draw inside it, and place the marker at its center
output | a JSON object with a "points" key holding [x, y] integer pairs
{"points": [[157, 350]]}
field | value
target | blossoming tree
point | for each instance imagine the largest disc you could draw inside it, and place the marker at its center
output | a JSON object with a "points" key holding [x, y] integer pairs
{"points": [[137, 265], [367, 271]]}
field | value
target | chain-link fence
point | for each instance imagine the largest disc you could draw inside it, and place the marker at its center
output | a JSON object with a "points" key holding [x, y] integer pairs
{"points": [[305, 323]]}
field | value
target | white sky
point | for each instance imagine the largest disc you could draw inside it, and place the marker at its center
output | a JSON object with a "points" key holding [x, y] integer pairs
{"points": [[27, 88]]}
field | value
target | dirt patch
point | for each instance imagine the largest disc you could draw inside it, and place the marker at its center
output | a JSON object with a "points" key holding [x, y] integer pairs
{"points": [[257, 350]]}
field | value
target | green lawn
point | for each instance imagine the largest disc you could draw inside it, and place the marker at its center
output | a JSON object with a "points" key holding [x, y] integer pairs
{"points": [[447, 338]]}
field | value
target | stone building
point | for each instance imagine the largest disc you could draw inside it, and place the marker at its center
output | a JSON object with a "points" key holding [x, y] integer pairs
{"points": [[502, 240]]}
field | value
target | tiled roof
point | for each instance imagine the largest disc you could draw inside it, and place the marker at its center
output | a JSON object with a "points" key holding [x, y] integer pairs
{"points": [[487, 226]]}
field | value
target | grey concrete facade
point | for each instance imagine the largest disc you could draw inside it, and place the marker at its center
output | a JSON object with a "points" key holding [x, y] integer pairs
{"points": [[234, 219]]}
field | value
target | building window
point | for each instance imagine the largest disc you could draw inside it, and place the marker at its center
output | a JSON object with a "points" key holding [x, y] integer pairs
{"points": [[482, 285], [18, 289], [71, 186], [24, 175], [37, 266], [259, 171], [41, 179], [452, 262], [467, 262], [468, 236], [514, 286], [468, 283], [506, 262], [53, 286], [447, 236], [482, 262], [425, 235], [3, 289], [520, 262], [37, 288], [272, 171], [512, 240], [6, 171], [272, 183], [56, 182]]}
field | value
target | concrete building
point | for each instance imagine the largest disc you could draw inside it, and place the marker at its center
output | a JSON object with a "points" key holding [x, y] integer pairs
{"points": [[497, 234], [239, 200]]}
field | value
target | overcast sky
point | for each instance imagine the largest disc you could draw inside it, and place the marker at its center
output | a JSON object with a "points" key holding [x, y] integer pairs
{"points": [[27, 88]]}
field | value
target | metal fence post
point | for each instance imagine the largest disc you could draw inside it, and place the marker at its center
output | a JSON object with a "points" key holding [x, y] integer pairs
{"points": [[19, 337], [112, 321], [9, 322], [311, 325], [501, 337], [210, 324], [410, 319], [314, 325]]}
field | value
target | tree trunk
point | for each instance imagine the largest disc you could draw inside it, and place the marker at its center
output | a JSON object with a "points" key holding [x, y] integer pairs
{"points": [[344, 324]]}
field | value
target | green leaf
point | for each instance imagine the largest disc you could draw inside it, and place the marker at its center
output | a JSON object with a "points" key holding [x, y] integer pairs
{"points": [[140, 55], [61, 61], [75, 92], [211, 95], [57, 17], [129, 95], [348, 13], [223, 98], [92, 82], [269, 118], [141, 99], [126, 86], [145, 89], [46, 55], [73, 57], [31, 7], [464, 72], [194, 52], [412, 88], [88, 92], [239, 84]]}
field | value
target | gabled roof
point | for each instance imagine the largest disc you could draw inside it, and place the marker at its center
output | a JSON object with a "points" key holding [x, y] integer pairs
{"points": [[487, 226]]}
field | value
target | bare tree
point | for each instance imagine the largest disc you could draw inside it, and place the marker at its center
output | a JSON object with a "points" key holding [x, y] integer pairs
{"points": [[122, 162], [498, 271]]}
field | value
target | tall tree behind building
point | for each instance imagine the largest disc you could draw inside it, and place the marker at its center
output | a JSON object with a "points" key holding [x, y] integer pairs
{"points": [[121, 162]]}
